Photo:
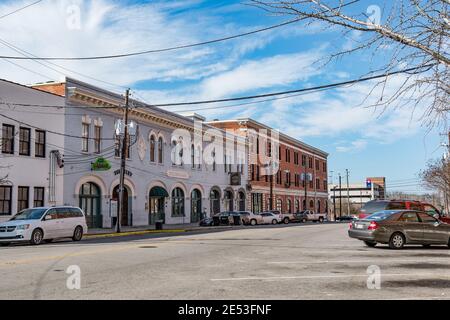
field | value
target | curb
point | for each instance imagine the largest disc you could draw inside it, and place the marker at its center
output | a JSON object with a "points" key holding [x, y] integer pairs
{"points": [[131, 233]]}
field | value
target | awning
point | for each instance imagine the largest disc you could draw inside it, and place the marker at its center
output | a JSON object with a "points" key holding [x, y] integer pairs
{"points": [[158, 192]]}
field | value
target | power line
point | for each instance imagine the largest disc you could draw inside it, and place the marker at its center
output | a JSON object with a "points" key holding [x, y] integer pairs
{"points": [[54, 132], [20, 9], [139, 53], [28, 54], [170, 48], [51, 106], [303, 91], [328, 86]]}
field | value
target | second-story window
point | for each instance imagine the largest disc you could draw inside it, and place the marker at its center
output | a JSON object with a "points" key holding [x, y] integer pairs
{"points": [[193, 156], [24, 142], [85, 138], [160, 150], [7, 139], [39, 144], [98, 139], [152, 148]]}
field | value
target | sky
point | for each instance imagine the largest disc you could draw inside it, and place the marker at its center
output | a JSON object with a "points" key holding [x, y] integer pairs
{"points": [[369, 142]]}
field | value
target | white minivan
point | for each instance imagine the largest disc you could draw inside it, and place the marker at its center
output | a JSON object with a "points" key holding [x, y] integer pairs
{"points": [[39, 225]]}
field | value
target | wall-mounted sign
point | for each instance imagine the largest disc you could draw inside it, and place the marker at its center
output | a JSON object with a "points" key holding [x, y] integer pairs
{"points": [[101, 164], [235, 179], [178, 174], [127, 173]]}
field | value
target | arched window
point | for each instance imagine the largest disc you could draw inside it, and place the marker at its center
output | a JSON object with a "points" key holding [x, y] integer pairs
{"points": [[297, 206], [215, 201], [174, 153], [196, 206], [229, 201], [160, 150], [280, 205], [241, 200], [304, 205], [152, 148], [289, 206], [318, 207], [193, 156], [199, 157], [177, 203], [311, 204]]}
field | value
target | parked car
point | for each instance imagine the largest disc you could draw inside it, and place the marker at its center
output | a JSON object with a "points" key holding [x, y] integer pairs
{"points": [[44, 225], [271, 218], [346, 218], [207, 222], [300, 217], [286, 218], [381, 205], [228, 218], [316, 217], [252, 219], [399, 228]]}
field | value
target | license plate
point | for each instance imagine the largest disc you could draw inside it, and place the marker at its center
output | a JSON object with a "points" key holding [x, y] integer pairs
{"points": [[359, 226]]}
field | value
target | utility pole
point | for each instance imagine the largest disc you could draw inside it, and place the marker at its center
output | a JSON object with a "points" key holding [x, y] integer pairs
{"points": [[348, 191], [271, 191], [340, 195], [334, 202], [123, 164]]}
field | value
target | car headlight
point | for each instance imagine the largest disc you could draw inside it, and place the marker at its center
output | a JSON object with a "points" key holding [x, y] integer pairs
{"points": [[23, 227]]}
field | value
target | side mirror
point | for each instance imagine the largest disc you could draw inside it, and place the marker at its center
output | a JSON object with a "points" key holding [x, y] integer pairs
{"points": [[437, 224], [48, 217]]}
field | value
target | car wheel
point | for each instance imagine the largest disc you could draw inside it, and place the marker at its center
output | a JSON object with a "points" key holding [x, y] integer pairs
{"points": [[77, 234], [321, 220], [370, 244], [286, 221], [397, 241], [274, 221], [253, 222], [304, 220], [36, 237]]}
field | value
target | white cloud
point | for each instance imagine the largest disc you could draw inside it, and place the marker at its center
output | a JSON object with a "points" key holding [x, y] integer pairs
{"points": [[280, 70], [354, 146]]}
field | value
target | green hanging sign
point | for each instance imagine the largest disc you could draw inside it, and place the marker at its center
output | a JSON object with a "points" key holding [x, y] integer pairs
{"points": [[101, 164]]}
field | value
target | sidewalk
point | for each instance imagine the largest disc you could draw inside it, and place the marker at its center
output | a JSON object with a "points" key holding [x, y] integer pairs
{"points": [[130, 231]]}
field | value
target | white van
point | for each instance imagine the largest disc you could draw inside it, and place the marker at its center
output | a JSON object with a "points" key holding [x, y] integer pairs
{"points": [[44, 225]]}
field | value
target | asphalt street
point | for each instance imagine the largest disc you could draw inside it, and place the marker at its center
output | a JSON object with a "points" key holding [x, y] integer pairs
{"points": [[301, 262]]}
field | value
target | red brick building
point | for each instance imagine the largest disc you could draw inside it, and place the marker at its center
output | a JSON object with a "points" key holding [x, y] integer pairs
{"points": [[301, 181]]}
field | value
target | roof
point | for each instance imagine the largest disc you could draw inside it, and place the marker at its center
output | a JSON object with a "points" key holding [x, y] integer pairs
{"points": [[30, 87]]}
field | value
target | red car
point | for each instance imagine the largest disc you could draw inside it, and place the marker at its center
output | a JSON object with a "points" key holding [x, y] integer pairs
{"points": [[382, 205]]}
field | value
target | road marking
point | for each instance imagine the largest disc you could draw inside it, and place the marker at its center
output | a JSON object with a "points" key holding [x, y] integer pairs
{"points": [[359, 261], [329, 277]]}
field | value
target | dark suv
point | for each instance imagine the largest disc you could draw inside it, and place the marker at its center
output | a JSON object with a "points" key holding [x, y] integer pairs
{"points": [[383, 205]]}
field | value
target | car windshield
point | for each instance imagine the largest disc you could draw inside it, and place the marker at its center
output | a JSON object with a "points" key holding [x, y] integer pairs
{"points": [[380, 216], [374, 206], [29, 214]]}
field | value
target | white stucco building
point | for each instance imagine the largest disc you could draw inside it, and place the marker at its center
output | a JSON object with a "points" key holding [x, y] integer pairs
{"points": [[161, 184]]}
